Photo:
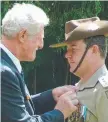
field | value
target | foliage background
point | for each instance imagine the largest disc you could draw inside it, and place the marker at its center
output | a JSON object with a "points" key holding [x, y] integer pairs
{"points": [[50, 68]]}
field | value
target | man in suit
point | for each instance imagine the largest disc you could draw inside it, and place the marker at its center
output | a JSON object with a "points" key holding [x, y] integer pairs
{"points": [[22, 35], [87, 44]]}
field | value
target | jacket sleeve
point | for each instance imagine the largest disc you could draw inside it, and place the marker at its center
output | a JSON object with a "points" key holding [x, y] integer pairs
{"points": [[13, 108], [43, 102]]}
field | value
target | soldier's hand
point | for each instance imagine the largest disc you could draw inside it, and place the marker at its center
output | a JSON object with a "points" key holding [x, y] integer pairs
{"points": [[67, 103], [57, 92]]}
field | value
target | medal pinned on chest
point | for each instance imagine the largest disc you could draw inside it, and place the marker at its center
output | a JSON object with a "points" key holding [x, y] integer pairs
{"points": [[79, 115]]}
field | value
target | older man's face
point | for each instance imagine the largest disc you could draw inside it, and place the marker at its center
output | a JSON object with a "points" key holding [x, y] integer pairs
{"points": [[31, 45], [75, 51]]}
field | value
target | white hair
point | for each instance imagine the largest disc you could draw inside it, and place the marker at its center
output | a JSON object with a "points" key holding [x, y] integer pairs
{"points": [[23, 16]]}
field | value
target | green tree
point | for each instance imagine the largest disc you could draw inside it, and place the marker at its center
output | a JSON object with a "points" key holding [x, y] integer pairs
{"points": [[50, 68]]}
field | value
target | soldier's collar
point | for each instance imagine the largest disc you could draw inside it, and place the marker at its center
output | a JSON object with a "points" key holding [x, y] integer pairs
{"points": [[93, 79]]}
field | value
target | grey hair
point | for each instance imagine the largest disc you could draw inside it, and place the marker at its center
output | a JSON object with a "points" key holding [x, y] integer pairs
{"points": [[101, 41], [23, 16]]}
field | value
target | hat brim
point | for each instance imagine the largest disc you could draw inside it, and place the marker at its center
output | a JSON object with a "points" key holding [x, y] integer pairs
{"points": [[57, 45]]}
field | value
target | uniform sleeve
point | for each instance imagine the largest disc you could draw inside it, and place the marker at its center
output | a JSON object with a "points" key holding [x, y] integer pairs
{"points": [[12, 103], [102, 105]]}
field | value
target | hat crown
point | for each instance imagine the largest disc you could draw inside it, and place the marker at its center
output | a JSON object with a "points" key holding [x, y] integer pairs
{"points": [[72, 24]]}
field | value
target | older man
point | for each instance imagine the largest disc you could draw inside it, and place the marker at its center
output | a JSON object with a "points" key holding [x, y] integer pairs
{"points": [[86, 41], [22, 35]]}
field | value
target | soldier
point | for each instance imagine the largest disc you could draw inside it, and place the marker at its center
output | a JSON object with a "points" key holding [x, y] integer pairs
{"points": [[86, 41]]}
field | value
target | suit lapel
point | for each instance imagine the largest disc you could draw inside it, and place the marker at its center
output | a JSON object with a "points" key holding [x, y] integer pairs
{"points": [[5, 57], [23, 86]]}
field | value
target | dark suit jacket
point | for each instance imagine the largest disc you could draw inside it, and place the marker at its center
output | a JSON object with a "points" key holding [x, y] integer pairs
{"points": [[16, 103]]}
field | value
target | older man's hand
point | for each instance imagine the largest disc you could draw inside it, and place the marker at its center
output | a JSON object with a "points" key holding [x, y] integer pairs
{"points": [[67, 103], [57, 92]]}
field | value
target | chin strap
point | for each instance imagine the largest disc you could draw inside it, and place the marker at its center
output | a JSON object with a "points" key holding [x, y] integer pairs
{"points": [[81, 60]]}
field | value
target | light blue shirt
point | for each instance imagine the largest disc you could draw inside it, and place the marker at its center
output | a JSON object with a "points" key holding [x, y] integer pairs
{"points": [[13, 58]]}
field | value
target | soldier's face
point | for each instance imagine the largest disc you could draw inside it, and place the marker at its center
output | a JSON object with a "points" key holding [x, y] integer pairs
{"points": [[75, 51]]}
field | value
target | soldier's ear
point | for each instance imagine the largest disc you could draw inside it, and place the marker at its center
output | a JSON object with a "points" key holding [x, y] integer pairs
{"points": [[22, 36], [95, 49]]}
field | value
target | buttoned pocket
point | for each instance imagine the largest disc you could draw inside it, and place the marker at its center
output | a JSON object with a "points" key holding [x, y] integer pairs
{"points": [[89, 114], [90, 117]]}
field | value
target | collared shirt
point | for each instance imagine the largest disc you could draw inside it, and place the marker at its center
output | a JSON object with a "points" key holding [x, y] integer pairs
{"points": [[93, 79], [93, 98], [12, 57], [94, 95]]}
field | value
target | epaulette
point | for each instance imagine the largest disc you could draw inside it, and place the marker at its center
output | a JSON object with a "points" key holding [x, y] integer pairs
{"points": [[104, 80]]}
